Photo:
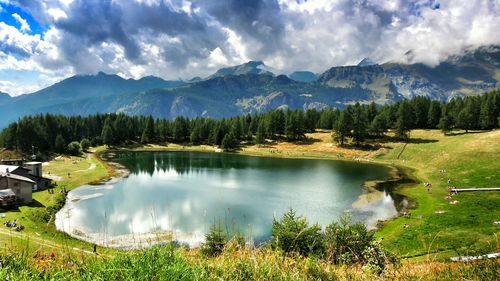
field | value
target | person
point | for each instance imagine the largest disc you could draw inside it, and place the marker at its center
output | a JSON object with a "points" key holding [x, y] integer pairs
{"points": [[95, 249]]}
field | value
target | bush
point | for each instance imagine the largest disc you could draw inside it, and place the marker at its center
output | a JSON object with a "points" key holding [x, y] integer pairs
{"points": [[85, 144], [74, 148], [376, 258], [215, 240], [293, 234], [345, 241]]}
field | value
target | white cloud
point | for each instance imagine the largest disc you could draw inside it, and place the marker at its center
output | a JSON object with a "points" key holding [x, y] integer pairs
{"points": [[57, 14], [313, 35], [24, 24]]}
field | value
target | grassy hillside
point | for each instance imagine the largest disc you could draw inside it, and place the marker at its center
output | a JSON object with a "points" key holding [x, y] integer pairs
{"points": [[437, 225]]}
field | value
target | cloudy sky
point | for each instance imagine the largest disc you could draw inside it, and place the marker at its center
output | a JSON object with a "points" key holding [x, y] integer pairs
{"points": [[43, 41]]}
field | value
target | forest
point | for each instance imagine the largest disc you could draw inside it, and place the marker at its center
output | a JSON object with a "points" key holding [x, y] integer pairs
{"points": [[47, 133]]}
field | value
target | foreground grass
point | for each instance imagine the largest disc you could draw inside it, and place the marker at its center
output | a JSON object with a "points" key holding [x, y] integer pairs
{"points": [[168, 263]]}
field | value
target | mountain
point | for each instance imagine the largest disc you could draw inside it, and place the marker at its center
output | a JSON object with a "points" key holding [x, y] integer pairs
{"points": [[251, 87], [251, 67], [303, 76], [366, 62], [4, 97], [75, 89]]}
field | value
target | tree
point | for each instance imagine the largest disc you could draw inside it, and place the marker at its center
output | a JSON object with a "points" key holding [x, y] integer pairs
{"points": [[342, 128], [215, 240], [359, 124], [260, 137], [74, 148], [379, 125], [228, 142], [434, 114], [85, 144], [60, 144], [345, 242], [293, 234], [465, 118], [148, 133], [371, 112], [107, 135], [405, 120], [487, 117], [294, 125]]}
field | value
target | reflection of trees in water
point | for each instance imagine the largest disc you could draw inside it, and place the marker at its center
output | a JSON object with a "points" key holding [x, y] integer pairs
{"points": [[189, 162]]}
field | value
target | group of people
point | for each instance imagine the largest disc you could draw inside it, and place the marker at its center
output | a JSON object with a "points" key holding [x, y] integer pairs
{"points": [[14, 225], [428, 185]]}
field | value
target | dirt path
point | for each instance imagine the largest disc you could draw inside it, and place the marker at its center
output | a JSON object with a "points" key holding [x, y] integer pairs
{"points": [[90, 168], [43, 242]]}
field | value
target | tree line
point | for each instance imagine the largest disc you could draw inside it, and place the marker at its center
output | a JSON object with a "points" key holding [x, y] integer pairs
{"points": [[355, 123]]}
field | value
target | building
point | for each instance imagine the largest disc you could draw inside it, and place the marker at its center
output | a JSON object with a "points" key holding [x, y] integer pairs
{"points": [[21, 186], [30, 170], [12, 162], [35, 168]]}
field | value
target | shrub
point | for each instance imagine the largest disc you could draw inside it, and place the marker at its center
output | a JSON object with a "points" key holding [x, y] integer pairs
{"points": [[293, 234], [215, 240], [74, 148], [345, 241], [376, 258]]}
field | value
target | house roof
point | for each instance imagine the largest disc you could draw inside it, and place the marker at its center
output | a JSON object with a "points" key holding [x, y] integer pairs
{"points": [[16, 177], [11, 168], [33, 163]]}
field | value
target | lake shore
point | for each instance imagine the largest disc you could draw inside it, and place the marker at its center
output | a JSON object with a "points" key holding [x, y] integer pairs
{"points": [[140, 240]]}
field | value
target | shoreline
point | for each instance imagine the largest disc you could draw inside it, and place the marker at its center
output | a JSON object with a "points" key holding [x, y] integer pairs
{"points": [[116, 172]]}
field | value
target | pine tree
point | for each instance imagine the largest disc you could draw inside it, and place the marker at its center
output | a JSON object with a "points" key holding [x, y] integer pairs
{"points": [[359, 124], [434, 114], [260, 137], [487, 118], [342, 128], [107, 135], [228, 142], [60, 144], [405, 120], [379, 125]]}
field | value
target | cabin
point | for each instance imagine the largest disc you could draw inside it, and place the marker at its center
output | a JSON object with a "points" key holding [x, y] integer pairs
{"points": [[30, 170], [20, 186]]}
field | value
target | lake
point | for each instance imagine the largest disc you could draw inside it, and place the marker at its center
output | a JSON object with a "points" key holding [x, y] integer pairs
{"points": [[179, 195]]}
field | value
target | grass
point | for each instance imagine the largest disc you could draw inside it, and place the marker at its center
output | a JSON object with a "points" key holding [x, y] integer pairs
{"points": [[469, 160], [168, 263], [40, 234]]}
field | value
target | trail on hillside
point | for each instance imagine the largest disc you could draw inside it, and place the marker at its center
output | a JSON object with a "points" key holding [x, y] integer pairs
{"points": [[43, 242]]}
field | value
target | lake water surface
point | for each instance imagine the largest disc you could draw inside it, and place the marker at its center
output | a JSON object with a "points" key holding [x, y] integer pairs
{"points": [[183, 193]]}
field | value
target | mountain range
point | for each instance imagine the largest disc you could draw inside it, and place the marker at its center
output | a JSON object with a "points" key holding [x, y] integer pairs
{"points": [[253, 87]]}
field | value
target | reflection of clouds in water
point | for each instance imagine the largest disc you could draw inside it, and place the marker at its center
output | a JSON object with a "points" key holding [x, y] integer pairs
{"points": [[243, 194], [381, 208]]}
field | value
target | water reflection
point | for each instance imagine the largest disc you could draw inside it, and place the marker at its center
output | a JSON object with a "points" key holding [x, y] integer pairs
{"points": [[183, 193]]}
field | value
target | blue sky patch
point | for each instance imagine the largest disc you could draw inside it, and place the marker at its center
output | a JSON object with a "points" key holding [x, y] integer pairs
{"points": [[8, 10]]}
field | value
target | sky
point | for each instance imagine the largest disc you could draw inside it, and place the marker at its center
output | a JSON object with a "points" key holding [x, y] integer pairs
{"points": [[45, 41]]}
